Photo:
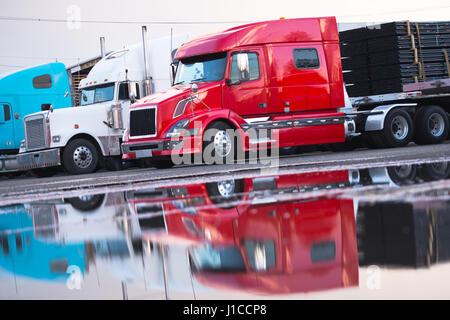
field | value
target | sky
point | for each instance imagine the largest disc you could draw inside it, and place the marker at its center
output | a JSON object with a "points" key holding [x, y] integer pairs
{"points": [[36, 32]]}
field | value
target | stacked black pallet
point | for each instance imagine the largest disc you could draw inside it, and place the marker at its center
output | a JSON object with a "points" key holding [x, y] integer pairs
{"points": [[381, 59]]}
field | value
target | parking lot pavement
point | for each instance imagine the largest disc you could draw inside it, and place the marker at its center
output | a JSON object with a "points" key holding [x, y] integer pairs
{"points": [[26, 184]]}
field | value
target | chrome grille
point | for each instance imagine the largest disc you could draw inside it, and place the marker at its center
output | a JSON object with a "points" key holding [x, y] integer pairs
{"points": [[35, 133], [43, 221], [143, 122]]}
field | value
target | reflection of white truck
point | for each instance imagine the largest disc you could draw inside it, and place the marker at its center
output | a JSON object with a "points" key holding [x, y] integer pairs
{"points": [[81, 138]]}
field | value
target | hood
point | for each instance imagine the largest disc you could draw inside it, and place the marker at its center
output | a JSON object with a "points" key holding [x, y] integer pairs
{"points": [[179, 91]]}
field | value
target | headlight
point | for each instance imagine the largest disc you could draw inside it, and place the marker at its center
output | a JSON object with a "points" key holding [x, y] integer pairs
{"points": [[22, 144], [179, 129], [56, 139]]}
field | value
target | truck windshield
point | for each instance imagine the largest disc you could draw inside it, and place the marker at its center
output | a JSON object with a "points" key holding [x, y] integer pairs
{"points": [[210, 67], [97, 94], [222, 259]]}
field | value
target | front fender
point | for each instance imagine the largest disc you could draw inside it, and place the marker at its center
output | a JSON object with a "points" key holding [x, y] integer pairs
{"points": [[66, 138]]}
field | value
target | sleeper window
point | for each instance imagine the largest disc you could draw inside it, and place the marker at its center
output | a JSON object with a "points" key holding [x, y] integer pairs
{"points": [[306, 58], [42, 82]]}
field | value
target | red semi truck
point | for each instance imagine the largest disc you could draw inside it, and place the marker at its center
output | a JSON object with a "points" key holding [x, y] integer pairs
{"points": [[283, 78]]}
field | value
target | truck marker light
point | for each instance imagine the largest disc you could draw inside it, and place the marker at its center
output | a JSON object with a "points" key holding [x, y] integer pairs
{"points": [[76, 126]]}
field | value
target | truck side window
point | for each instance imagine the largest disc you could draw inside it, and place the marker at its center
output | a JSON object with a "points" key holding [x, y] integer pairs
{"points": [[306, 58], [45, 106], [123, 91], [244, 67], [6, 113], [42, 82]]}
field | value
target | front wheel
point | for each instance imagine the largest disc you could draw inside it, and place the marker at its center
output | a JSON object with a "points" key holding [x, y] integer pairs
{"points": [[80, 156], [219, 143]]}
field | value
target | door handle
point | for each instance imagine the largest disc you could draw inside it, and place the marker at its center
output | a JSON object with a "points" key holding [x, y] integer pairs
{"points": [[262, 105]]}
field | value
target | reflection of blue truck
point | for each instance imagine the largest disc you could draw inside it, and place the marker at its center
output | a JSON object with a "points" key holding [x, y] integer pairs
{"points": [[28, 91], [25, 255]]}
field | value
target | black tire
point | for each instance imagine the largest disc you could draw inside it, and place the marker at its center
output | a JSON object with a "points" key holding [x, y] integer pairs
{"points": [[161, 163], [402, 175], [113, 163], [86, 153], [431, 125], [225, 199], [87, 203], [210, 156], [434, 171], [392, 135], [44, 172]]}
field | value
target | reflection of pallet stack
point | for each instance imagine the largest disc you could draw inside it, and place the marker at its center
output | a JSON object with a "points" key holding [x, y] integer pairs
{"points": [[383, 58]]}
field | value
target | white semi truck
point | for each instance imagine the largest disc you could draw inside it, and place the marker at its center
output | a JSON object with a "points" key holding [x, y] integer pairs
{"points": [[83, 138]]}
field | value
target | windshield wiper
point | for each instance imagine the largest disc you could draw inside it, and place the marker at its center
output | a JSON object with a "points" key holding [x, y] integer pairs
{"points": [[179, 82], [198, 79]]}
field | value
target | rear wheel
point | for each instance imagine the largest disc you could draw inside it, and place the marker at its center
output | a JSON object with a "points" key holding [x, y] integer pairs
{"points": [[432, 125], [80, 156], [397, 132], [402, 175], [435, 171]]}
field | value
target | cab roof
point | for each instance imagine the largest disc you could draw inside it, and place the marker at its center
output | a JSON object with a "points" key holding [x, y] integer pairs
{"points": [[322, 29]]}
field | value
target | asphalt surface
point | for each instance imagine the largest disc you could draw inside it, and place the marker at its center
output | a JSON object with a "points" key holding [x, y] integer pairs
{"points": [[25, 187]]}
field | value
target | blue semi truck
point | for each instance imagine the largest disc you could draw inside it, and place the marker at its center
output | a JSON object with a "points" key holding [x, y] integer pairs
{"points": [[28, 91]]}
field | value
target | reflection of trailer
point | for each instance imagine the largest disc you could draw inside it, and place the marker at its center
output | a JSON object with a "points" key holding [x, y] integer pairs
{"points": [[403, 234]]}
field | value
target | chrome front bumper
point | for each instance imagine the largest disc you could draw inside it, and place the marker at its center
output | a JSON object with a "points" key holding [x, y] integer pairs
{"points": [[30, 160]]}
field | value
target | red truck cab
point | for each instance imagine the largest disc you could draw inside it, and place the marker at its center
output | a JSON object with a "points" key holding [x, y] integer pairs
{"points": [[283, 76]]}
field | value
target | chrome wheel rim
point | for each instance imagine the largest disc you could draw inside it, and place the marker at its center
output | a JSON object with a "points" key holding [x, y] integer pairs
{"points": [[403, 171], [436, 124], [222, 143], [225, 188], [399, 128], [440, 167], [82, 157]]}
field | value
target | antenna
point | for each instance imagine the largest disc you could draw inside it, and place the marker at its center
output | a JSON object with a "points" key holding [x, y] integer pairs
{"points": [[172, 76], [171, 44]]}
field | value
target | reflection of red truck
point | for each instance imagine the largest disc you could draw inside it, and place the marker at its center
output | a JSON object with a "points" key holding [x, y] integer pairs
{"points": [[257, 238], [278, 83]]}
